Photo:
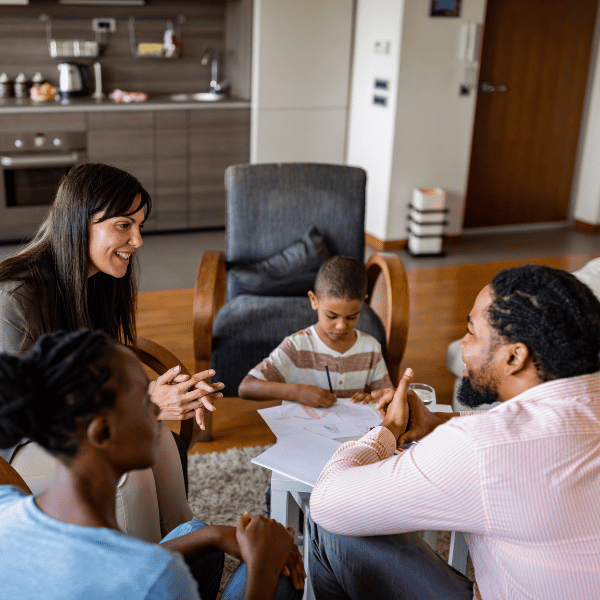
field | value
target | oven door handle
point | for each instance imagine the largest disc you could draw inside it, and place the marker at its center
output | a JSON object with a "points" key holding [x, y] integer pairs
{"points": [[40, 160]]}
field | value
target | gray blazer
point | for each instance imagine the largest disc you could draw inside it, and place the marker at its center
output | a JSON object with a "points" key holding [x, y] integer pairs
{"points": [[23, 320]]}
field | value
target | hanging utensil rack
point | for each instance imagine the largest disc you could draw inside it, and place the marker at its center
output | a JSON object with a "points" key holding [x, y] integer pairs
{"points": [[155, 49], [62, 49]]}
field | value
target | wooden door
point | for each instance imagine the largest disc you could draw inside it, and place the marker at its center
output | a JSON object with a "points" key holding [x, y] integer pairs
{"points": [[525, 136]]}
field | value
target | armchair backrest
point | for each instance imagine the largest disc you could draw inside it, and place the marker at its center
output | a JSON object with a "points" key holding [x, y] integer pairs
{"points": [[269, 206]]}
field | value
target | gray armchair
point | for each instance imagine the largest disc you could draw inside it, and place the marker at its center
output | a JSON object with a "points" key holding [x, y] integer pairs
{"points": [[282, 221]]}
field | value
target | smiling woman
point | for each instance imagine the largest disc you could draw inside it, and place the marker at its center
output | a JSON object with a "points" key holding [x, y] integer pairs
{"points": [[113, 241], [79, 272]]}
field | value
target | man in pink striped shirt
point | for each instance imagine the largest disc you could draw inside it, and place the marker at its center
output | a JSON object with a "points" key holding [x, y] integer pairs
{"points": [[522, 478]]}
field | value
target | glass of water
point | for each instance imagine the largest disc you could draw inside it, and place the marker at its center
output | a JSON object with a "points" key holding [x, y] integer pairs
{"points": [[426, 394]]}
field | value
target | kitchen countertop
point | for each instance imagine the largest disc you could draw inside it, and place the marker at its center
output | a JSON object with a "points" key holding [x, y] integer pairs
{"points": [[154, 102]]}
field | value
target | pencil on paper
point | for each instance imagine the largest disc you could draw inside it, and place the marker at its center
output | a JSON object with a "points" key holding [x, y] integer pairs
{"points": [[329, 379]]}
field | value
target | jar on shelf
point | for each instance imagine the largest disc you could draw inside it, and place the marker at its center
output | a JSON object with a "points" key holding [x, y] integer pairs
{"points": [[37, 80], [6, 86], [21, 86]]}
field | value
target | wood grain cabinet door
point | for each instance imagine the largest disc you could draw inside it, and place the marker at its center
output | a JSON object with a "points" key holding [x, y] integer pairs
{"points": [[170, 206], [218, 138], [124, 139]]}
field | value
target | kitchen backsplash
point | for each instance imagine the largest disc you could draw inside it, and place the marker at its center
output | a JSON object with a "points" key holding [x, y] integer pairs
{"points": [[24, 48]]}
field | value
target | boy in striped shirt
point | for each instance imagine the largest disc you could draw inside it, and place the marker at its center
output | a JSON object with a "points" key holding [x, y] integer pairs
{"points": [[299, 368]]}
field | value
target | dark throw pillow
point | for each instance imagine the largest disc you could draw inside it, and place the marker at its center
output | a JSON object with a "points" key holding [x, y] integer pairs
{"points": [[290, 272]]}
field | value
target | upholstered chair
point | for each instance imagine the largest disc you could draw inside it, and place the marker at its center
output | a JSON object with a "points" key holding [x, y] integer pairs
{"points": [[283, 221]]}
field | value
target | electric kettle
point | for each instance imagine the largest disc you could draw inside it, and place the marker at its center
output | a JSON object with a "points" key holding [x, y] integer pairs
{"points": [[74, 79]]}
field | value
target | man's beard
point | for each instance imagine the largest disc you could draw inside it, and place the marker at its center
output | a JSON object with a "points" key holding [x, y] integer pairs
{"points": [[473, 398]]}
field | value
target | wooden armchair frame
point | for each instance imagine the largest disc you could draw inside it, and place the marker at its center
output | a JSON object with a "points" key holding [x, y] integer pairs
{"points": [[387, 296], [160, 360], [8, 476]]}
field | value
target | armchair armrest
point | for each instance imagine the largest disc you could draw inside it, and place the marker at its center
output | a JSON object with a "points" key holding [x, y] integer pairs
{"points": [[160, 360], [8, 476], [388, 297], [209, 297]]}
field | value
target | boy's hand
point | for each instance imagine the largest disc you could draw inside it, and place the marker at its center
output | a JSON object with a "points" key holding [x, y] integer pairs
{"points": [[312, 395], [362, 398]]}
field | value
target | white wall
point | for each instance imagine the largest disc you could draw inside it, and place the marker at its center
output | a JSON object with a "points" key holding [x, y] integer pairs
{"points": [[586, 187], [301, 53], [423, 138], [301, 58], [371, 127], [434, 124]]}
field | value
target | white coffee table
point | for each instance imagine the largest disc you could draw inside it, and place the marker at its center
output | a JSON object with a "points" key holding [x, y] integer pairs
{"points": [[290, 499]]}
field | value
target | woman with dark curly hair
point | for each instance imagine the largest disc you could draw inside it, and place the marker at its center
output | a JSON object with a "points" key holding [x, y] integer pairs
{"points": [[79, 271], [84, 398]]}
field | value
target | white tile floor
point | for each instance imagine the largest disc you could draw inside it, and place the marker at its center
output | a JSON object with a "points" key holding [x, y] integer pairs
{"points": [[170, 261]]}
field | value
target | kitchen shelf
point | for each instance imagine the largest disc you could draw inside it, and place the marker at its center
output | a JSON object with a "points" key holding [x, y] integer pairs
{"points": [[63, 49], [154, 49]]}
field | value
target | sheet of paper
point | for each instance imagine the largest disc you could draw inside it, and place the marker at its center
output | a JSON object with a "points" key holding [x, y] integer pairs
{"points": [[342, 420], [301, 455]]}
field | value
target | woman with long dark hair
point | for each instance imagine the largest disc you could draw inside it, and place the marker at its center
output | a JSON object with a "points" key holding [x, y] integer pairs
{"points": [[79, 271], [84, 398]]}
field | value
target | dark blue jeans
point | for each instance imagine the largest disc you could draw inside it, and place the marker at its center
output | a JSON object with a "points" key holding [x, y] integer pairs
{"points": [[390, 567], [208, 569]]}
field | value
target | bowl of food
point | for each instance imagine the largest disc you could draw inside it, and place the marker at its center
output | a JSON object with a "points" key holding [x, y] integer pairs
{"points": [[42, 93]]}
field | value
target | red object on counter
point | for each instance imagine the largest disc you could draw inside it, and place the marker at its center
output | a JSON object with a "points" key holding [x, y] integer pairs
{"points": [[121, 96]]}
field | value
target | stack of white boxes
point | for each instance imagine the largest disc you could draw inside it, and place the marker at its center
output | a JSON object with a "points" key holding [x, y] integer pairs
{"points": [[426, 222]]}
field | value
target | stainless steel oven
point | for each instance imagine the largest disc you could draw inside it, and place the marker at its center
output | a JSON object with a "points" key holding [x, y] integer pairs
{"points": [[31, 167]]}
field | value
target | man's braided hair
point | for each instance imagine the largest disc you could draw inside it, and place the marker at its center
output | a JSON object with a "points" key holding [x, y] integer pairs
{"points": [[52, 392], [553, 313]]}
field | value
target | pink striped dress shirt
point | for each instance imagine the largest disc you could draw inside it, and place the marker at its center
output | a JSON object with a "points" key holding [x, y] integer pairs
{"points": [[522, 478]]}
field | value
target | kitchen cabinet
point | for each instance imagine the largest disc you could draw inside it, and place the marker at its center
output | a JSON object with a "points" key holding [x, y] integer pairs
{"points": [[179, 156], [178, 152], [301, 60], [170, 205], [124, 139], [217, 138]]}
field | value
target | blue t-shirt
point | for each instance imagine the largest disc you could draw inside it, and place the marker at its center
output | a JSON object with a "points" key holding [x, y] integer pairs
{"points": [[45, 558]]}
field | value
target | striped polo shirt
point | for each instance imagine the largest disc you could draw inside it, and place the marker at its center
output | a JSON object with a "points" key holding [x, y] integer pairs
{"points": [[303, 356]]}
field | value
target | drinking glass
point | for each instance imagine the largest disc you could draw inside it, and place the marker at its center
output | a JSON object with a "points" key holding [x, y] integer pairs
{"points": [[426, 394]]}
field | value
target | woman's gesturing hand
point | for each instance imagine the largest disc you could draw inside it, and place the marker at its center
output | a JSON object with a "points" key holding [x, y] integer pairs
{"points": [[294, 567], [181, 397], [268, 550]]}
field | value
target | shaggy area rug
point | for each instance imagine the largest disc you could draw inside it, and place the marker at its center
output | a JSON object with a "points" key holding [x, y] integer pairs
{"points": [[223, 485]]}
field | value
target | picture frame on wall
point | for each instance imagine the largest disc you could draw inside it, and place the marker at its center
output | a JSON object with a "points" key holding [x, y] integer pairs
{"points": [[445, 8]]}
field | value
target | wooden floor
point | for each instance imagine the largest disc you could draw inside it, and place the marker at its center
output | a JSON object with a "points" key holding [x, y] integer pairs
{"points": [[441, 299]]}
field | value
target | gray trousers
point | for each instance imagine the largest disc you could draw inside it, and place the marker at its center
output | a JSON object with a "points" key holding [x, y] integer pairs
{"points": [[394, 567]]}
